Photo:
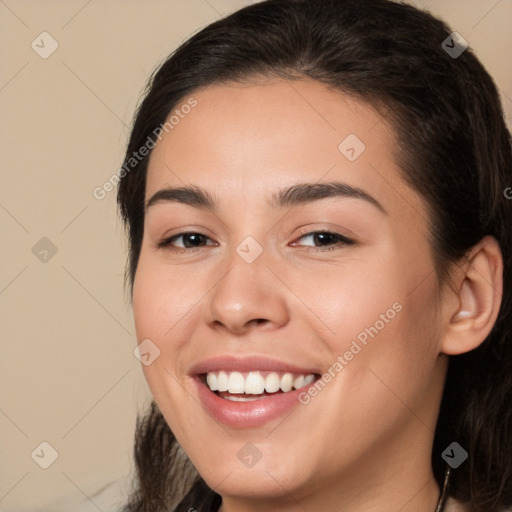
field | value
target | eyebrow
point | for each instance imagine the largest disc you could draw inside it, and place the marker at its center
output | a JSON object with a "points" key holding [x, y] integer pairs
{"points": [[295, 195]]}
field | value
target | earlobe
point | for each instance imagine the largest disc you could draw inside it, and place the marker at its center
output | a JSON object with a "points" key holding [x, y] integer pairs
{"points": [[480, 289]]}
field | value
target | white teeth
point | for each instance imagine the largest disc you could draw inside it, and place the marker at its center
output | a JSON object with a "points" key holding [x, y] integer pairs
{"points": [[286, 382], [272, 383], [243, 398], [308, 379], [211, 379], [236, 383], [297, 383], [254, 383], [222, 381]]}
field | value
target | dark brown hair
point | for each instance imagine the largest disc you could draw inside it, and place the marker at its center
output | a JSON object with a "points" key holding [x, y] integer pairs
{"points": [[453, 148]]}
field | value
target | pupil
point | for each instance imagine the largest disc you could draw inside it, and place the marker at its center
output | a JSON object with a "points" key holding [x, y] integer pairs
{"points": [[191, 237], [323, 237]]}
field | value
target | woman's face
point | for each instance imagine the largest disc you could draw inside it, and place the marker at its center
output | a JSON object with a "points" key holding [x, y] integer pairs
{"points": [[261, 291]]}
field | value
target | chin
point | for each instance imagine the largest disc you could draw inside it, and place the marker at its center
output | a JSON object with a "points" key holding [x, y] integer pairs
{"points": [[254, 483]]}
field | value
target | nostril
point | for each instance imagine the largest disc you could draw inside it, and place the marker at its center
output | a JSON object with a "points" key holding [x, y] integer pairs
{"points": [[256, 321]]}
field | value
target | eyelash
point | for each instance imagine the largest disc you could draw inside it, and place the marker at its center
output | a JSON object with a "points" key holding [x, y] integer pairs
{"points": [[166, 243]]}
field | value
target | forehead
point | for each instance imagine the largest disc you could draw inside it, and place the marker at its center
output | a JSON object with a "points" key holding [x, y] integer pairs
{"points": [[241, 142]]}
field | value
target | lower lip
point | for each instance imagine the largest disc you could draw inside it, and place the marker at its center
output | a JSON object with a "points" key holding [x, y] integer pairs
{"points": [[247, 414]]}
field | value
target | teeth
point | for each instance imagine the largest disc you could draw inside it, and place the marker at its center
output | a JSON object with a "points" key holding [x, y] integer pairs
{"points": [[298, 382], [272, 383], [287, 382], [236, 383], [211, 379], [308, 379], [254, 383], [243, 398], [222, 381]]}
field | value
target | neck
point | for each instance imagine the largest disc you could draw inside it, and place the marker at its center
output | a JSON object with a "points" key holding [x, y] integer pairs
{"points": [[451, 506]]}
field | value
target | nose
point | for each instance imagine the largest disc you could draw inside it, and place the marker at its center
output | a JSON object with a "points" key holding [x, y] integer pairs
{"points": [[249, 296]]}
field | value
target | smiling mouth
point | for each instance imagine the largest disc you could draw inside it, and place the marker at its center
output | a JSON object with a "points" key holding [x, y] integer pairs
{"points": [[254, 385]]}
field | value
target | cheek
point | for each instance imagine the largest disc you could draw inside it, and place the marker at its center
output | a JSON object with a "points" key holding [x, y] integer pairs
{"points": [[342, 299], [158, 306], [162, 297], [382, 322]]}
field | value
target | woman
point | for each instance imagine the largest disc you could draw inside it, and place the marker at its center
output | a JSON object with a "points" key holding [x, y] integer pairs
{"points": [[320, 266]]}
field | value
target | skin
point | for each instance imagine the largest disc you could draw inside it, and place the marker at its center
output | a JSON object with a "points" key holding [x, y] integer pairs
{"points": [[364, 442]]}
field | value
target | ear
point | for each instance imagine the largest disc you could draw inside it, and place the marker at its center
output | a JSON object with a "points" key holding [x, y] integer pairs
{"points": [[475, 299]]}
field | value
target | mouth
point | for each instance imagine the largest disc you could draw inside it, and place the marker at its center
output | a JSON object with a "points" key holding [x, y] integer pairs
{"points": [[247, 392], [254, 385]]}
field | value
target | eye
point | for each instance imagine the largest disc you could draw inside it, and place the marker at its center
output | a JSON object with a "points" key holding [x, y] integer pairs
{"points": [[189, 241], [327, 240], [192, 241]]}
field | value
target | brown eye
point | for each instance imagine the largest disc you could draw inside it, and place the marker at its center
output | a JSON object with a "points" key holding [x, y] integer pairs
{"points": [[326, 240], [190, 240]]}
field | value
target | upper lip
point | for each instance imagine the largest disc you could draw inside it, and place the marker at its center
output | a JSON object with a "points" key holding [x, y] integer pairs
{"points": [[245, 364]]}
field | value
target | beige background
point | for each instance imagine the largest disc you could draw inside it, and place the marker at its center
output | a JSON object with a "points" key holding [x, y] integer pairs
{"points": [[68, 375]]}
